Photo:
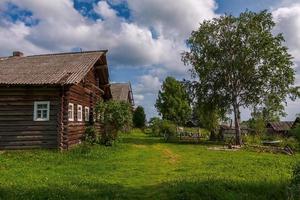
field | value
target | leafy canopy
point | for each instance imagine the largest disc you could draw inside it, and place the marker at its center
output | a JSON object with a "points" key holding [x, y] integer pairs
{"points": [[238, 62], [173, 101], [117, 114], [139, 117]]}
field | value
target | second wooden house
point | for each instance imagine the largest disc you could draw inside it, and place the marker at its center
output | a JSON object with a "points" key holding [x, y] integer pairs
{"points": [[122, 92]]}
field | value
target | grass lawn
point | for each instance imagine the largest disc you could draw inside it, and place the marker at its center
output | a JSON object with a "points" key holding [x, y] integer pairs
{"points": [[142, 167]]}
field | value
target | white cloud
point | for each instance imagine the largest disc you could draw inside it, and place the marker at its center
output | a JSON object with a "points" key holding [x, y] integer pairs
{"points": [[13, 37], [146, 91], [172, 18], [287, 20], [104, 10], [148, 84], [138, 98], [62, 28]]}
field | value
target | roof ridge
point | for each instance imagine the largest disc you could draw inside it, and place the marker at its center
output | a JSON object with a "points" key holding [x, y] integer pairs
{"points": [[67, 53]]}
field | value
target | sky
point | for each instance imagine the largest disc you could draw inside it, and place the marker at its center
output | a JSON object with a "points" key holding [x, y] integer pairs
{"points": [[144, 38]]}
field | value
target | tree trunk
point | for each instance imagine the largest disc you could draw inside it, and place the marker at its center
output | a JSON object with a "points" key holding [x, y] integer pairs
{"points": [[238, 137]]}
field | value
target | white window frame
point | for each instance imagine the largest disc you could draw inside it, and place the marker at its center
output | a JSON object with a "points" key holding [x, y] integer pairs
{"points": [[79, 113], [86, 114], [71, 118], [35, 111]]}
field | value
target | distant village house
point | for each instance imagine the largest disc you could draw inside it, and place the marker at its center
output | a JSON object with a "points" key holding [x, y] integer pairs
{"points": [[279, 128], [122, 92]]}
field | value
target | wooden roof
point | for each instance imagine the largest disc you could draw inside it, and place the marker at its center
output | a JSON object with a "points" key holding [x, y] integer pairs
{"points": [[51, 69], [281, 126], [121, 92]]}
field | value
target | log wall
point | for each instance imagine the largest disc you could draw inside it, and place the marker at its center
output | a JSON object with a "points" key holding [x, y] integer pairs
{"points": [[86, 93], [18, 130]]}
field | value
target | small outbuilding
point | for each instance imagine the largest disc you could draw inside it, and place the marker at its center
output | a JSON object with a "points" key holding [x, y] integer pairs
{"points": [[47, 101], [279, 128]]}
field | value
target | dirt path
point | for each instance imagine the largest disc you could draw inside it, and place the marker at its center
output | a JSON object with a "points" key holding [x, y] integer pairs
{"points": [[168, 154]]}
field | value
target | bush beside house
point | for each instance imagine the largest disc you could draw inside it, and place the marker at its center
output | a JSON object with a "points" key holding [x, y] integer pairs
{"points": [[115, 116]]}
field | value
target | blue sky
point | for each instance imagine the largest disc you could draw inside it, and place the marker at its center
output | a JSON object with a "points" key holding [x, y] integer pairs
{"points": [[144, 37]]}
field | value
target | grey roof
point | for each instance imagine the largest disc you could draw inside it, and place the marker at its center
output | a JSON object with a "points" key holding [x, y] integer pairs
{"points": [[53, 69], [121, 92], [281, 126]]}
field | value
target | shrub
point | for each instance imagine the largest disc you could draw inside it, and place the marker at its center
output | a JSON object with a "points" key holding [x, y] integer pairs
{"points": [[252, 139], [206, 134], [291, 142], [294, 188], [91, 135], [285, 141], [163, 128], [116, 116], [167, 128], [296, 133], [257, 124], [155, 124]]}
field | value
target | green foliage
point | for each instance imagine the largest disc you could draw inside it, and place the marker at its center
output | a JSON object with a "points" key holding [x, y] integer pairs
{"points": [[291, 142], [116, 116], [91, 136], [161, 127], [116, 113], [257, 123], [296, 174], [83, 149], [155, 124], [209, 117], [296, 132], [272, 111], [285, 141], [238, 62], [168, 128], [139, 117], [294, 188], [173, 102], [252, 139]]}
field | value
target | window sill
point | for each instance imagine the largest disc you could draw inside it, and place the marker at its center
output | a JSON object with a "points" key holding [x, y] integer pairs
{"points": [[41, 120]]}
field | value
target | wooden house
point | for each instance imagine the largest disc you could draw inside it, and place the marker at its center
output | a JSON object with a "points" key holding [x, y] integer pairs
{"points": [[122, 92], [279, 128], [47, 101]]}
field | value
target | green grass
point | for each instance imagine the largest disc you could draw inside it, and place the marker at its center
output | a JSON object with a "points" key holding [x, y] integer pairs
{"points": [[143, 167]]}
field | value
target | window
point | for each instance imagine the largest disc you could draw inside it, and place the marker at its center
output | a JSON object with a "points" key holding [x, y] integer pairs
{"points": [[79, 113], [86, 114], [41, 111], [71, 112]]}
